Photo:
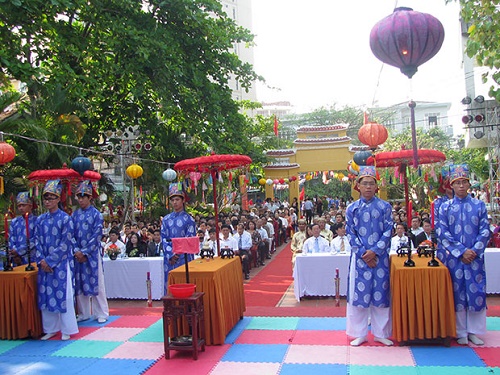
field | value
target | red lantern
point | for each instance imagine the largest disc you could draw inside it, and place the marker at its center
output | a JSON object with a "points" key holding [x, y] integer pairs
{"points": [[282, 181], [373, 134], [7, 154], [406, 39]]}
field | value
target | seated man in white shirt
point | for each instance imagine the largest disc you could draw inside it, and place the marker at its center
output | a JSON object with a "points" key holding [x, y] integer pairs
{"points": [[340, 244], [316, 243], [400, 239], [244, 241], [415, 230], [113, 240], [227, 242]]}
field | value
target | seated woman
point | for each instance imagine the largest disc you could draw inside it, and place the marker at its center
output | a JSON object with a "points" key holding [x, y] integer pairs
{"points": [[136, 246]]}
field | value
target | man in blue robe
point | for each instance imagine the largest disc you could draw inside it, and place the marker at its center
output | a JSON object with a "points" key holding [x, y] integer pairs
{"points": [[54, 243], [18, 246], [89, 276], [369, 227], [463, 232], [176, 224]]}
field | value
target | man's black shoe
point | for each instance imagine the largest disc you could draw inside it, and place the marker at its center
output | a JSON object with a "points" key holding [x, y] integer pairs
{"points": [[247, 276]]}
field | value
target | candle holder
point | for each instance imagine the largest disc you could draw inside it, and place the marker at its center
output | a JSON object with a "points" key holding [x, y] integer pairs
{"points": [[409, 262], [226, 253], [433, 262], [29, 267], [6, 259], [206, 251]]}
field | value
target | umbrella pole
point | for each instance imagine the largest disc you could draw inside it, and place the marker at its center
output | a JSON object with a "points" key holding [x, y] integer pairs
{"points": [[407, 195], [412, 106], [216, 209], [187, 267]]}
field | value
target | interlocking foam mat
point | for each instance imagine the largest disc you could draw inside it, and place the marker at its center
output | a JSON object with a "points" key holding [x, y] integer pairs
{"points": [[256, 345]]}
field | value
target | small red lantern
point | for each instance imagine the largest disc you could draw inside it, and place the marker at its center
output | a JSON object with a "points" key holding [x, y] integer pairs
{"points": [[282, 181], [373, 134], [7, 153]]}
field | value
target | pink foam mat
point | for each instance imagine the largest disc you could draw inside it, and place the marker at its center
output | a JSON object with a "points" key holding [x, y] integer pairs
{"points": [[266, 337], [320, 338], [489, 356], [137, 350], [134, 321], [250, 368], [379, 356], [180, 362], [113, 334]]}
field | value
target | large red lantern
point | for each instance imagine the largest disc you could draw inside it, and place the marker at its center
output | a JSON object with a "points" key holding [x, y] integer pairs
{"points": [[7, 154], [373, 134], [406, 39]]}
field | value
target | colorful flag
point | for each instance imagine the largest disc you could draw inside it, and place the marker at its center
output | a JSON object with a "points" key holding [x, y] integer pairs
{"points": [[275, 125]]}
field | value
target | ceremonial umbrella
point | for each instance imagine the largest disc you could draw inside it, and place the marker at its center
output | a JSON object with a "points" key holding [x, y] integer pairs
{"points": [[213, 164], [67, 176], [401, 159]]}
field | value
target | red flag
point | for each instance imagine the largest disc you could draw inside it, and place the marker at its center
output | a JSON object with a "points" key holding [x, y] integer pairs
{"points": [[302, 194], [275, 126], [365, 118]]}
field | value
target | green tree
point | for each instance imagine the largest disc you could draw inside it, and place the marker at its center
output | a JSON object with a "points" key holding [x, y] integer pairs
{"points": [[483, 20], [162, 65]]}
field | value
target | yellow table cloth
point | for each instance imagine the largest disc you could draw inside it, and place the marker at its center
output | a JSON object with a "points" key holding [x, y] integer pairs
{"points": [[224, 299], [19, 313], [422, 300]]}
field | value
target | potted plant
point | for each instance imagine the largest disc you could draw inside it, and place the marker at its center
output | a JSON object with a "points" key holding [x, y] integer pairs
{"points": [[113, 251]]}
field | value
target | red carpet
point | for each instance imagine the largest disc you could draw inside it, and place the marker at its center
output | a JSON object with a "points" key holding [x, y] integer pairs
{"points": [[270, 284]]}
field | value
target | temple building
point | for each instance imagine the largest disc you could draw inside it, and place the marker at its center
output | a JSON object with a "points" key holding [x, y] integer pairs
{"points": [[317, 148]]}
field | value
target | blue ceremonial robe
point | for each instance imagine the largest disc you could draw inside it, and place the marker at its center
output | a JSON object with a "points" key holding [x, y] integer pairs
{"points": [[175, 225], [440, 252], [463, 224], [369, 227], [54, 242], [88, 225], [17, 237]]}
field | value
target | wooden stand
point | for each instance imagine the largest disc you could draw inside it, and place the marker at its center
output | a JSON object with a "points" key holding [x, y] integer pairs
{"points": [[190, 308]]}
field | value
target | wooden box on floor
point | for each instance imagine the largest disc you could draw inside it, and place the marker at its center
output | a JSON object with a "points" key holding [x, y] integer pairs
{"points": [[184, 316]]}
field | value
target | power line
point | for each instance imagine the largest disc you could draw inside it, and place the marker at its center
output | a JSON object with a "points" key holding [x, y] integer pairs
{"points": [[88, 150]]}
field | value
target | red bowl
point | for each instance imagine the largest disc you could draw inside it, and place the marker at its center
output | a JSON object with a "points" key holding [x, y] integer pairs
{"points": [[182, 290]]}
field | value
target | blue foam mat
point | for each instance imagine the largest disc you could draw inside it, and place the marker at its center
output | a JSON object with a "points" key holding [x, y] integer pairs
{"points": [[255, 353], [322, 324], [441, 356]]}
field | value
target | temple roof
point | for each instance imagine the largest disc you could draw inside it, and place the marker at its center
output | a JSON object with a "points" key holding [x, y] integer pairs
{"points": [[282, 166], [322, 140], [322, 129], [283, 152]]}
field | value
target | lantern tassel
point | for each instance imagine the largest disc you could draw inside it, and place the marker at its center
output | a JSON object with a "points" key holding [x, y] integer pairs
{"points": [[1, 185]]}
